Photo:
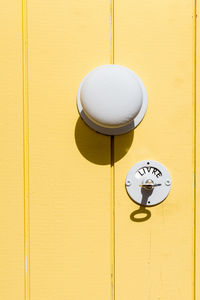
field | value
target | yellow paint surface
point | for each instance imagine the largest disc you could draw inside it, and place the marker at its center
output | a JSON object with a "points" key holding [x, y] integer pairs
{"points": [[11, 154], [84, 242], [154, 259], [69, 163]]}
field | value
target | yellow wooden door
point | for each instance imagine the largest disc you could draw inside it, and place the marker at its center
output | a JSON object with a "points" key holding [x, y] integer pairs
{"points": [[68, 228]]}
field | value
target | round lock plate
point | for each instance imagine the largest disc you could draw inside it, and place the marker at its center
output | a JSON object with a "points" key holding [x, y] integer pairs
{"points": [[148, 183]]}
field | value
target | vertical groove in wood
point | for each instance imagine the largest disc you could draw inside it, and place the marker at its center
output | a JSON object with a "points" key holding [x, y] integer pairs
{"points": [[197, 149], [194, 139], [112, 165], [112, 31], [112, 220], [25, 149]]}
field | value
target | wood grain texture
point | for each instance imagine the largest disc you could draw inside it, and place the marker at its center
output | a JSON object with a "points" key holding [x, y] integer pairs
{"points": [[69, 163], [11, 153], [154, 259]]}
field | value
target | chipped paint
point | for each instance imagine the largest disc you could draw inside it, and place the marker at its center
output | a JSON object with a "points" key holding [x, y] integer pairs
{"points": [[112, 292], [25, 264]]}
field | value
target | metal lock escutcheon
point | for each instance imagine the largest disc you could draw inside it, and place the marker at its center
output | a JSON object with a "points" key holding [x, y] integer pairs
{"points": [[148, 183]]}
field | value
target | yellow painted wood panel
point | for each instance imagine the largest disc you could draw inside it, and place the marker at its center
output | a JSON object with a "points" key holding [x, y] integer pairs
{"points": [[11, 153], [69, 163], [154, 259], [70, 174]]}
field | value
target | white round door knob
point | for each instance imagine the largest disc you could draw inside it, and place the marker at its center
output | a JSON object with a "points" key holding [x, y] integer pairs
{"points": [[112, 99]]}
